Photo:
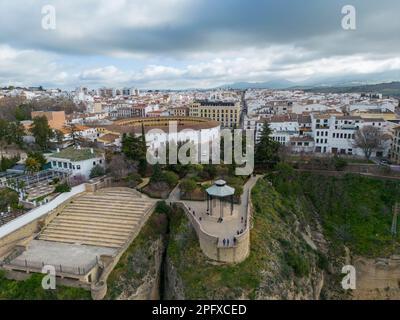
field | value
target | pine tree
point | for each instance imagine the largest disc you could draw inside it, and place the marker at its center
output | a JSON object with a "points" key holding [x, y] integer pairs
{"points": [[42, 132], [266, 151]]}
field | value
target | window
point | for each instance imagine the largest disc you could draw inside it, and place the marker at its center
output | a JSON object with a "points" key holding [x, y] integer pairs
{"points": [[78, 167], [59, 164], [54, 164], [94, 163], [65, 165]]}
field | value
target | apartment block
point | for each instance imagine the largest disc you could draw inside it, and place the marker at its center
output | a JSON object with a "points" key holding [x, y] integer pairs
{"points": [[226, 113], [56, 119], [395, 149]]}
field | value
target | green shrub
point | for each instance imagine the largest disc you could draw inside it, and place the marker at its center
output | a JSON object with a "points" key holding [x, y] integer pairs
{"points": [[62, 188], [8, 198], [188, 185], [298, 264], [97, 171], [339, 163], [171, 178]]}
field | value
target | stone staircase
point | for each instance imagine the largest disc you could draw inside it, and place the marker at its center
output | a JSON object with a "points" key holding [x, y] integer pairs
{"points": [[106, 218]]}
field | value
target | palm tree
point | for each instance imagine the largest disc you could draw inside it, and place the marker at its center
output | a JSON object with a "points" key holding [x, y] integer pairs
{"points": [[32, 165]]}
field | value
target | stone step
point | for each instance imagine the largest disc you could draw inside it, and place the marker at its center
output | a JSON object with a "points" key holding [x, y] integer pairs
{"points": [[88, 208], [116, 196], [90, 243], [113, 202], [102, 217], [82, 238], [93, 226], [103, 212], [91, 219], [56, 228], [83, 234], [92, 223]]}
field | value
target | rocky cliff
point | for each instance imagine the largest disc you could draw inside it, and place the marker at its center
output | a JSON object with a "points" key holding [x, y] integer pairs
{"points": [[305, 229]]}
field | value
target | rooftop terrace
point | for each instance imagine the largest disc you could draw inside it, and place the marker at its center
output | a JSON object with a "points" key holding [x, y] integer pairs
{"points": [[75, 154]]}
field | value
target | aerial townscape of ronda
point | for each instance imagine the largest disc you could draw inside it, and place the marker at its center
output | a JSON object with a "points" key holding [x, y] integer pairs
{"points": [[199, 150]]}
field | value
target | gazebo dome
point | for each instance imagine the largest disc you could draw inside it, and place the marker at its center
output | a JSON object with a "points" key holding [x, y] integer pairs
{"points": [[220, 190]]}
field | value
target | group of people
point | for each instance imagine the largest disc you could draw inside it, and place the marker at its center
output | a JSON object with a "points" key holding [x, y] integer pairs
{"points": [[227, 242]]}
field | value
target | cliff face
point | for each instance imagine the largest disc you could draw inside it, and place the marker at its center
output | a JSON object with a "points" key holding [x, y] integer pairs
{"points": [[137, 275], [306, 228], [288, 259]]}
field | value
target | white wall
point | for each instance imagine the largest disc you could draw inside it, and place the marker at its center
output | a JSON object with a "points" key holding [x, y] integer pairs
{"points": [[39, 212]]}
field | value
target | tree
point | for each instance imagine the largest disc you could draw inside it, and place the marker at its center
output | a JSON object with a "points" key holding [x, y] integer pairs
{"points": [[118, 167], [72, 130], [8, 198], [97, 171], [38, 156], [157, 174], [171, 178], [23, 112], [369, 139], [188, 185], [266, 150], [42, 132], [32, 165], [59, 135], [135, 149], [11, 132], [132, 147]]}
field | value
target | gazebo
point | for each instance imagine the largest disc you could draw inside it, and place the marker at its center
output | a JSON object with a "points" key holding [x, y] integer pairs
{"points": [[222, 194]]}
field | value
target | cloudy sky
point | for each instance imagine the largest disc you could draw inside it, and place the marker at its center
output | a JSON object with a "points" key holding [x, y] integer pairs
{"points": [[195, 43]]}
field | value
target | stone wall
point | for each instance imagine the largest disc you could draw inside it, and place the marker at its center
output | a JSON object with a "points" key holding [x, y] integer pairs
{"points": [[209, 243]]}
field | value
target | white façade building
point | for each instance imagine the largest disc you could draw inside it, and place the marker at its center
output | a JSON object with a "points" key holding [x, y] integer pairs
{"points": [[335, 134], [283, 127], [78, 161]]}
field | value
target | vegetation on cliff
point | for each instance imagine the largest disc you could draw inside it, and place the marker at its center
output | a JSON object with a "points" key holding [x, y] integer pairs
{"points": [[281, 264], [31, 289], [355, 211], [138, 264]]}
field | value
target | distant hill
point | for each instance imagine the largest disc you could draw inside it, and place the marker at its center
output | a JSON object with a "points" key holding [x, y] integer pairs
{"points": [[387, 89], [273, 84]]}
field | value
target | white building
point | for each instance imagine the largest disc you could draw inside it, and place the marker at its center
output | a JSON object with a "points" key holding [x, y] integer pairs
{"points": [[77, 161], [335, 134]]}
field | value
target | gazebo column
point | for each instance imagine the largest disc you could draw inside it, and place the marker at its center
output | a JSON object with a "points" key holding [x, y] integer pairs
{"points": [[232, 205]]}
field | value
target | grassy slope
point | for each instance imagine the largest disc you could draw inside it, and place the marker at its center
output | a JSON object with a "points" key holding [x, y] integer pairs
{"points": [[31, 289], [354, 210]]}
